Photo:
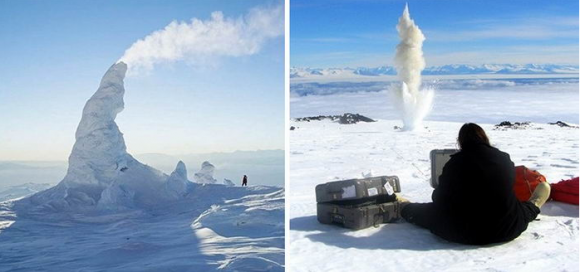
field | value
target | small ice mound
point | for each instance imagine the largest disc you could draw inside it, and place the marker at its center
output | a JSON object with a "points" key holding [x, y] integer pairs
{"points": [[205, 175], [229, 183], [177, 182]]}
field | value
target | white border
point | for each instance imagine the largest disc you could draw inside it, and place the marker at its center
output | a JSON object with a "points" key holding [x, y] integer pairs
{"points": [[286, 130]]}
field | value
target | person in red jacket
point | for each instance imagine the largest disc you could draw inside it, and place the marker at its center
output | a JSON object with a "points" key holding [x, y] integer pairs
{"points": [[245, 181], [475, 202]]}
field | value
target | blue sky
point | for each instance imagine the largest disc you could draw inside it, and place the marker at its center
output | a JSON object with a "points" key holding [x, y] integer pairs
{"points": [[340, 33], [54, 53]]}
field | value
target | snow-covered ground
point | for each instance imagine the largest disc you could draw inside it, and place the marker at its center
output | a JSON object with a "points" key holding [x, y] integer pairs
{"points": [[322, 151], [215, 228]]}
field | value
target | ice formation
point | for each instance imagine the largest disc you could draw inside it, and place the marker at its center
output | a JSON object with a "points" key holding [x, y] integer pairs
{"points": [[205, 175], [101, 172], [229, 183], [413, 104], [177, 183]]}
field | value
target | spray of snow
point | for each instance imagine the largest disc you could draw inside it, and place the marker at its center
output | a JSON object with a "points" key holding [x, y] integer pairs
{"points": [[200, 41], [412, 102]]}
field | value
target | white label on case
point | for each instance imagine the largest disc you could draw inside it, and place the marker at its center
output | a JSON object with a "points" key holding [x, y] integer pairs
{"points": [[348, 192], [373, 191], [389, 188]]}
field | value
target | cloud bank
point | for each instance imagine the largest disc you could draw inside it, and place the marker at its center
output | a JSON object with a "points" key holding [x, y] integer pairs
{"points": [[198, 40]]}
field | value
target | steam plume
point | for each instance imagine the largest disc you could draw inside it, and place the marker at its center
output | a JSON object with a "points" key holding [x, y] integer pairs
{"points": [[413, 104], [199, 41]]}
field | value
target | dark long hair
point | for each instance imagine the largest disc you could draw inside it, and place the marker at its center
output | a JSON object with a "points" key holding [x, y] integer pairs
{"points": [[471, 134]]}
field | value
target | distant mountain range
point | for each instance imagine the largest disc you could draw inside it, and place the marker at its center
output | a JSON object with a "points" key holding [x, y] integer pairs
{"points": [[22, 190], [459, 69]]}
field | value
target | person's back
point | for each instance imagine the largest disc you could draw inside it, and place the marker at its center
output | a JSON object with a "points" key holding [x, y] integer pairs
{"points": [[475, 202], [475, 197]]}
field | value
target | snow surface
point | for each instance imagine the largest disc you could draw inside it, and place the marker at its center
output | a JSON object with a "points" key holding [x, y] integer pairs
{"points": [[113, 213], [322, 151], [216, 228]]}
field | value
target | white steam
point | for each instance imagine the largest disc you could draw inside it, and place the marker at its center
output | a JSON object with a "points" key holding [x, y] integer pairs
{"points": [[413, 104], [199, 41]]}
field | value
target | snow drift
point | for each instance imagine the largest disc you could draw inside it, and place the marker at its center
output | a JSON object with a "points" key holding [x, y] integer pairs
{"points": [[412, 103]]}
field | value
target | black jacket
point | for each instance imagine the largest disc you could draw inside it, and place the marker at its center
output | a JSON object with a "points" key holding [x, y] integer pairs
{"points": [[475, 201]]}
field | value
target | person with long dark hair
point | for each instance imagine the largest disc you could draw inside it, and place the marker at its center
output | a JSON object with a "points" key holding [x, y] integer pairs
{"points": [[474, 202]]}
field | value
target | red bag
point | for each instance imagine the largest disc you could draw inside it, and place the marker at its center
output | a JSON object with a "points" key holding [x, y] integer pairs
{"points": [[526, 182], [565, 191]]}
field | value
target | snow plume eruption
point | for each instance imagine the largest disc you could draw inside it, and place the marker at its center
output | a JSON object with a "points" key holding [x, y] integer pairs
{"points": [[412, 102], [199, 41]]}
